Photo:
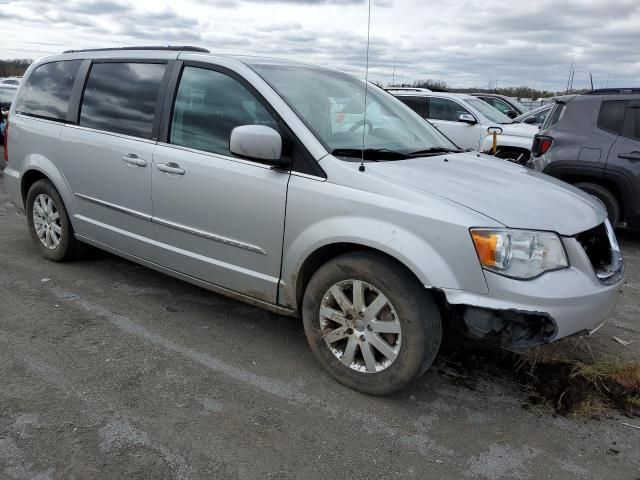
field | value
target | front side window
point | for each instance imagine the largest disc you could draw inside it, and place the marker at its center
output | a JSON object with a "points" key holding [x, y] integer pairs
{"points": [[611, 116], [208, 106], [500, 105], [122, 97], [445, 109], [332, 105], [46, 92], [488, 111]]}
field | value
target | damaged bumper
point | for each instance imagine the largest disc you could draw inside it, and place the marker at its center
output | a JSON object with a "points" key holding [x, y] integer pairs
{"points": [[524, 314]]}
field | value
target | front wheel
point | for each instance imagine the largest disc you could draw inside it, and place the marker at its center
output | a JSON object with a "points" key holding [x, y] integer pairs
{"points": [[370, 324]]}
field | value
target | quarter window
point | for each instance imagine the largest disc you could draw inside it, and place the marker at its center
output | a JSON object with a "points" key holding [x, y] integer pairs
{"points": [[444, 109], [611, 116], [46, 92], [122, 97], [208, 106]]}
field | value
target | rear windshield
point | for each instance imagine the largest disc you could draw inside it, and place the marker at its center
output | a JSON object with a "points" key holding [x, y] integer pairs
{"points": [[46, 92]]}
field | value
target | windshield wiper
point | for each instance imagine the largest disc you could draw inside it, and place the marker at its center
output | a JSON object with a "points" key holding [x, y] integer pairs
{"points": [[434, 151], [374, 154]]}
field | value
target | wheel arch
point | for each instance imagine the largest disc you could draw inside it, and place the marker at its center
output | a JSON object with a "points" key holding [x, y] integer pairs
{"points": [[616, 185], [38, 167]]}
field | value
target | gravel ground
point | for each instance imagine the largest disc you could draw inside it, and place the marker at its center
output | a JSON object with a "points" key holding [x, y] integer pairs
{"points": [[109, 370]]}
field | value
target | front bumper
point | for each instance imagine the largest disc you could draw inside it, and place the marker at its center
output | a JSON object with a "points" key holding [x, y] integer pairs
{"points": [[573, 298]]}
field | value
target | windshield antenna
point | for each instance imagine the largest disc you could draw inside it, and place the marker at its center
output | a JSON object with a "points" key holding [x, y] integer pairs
{"points": [[366, 90]]}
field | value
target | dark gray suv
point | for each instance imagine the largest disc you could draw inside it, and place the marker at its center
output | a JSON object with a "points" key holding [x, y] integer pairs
{"points": [[593, 142]]}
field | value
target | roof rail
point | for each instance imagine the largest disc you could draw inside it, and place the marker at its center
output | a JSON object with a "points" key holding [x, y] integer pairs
{"points": [[409, 89], [179, 48], [613, 91]]}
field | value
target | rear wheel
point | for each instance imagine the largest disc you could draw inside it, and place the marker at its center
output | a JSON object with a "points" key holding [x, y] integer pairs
{"points": [[370, 324], [606, 197], [49, 223]]}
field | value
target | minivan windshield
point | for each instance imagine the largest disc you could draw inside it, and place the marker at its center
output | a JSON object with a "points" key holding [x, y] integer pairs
{"points": [[332, 105], [488, 111]]}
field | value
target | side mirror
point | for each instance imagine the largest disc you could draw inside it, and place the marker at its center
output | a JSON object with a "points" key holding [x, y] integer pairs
{"points": [[530, 120], [257, 142], [512, 114], [467, 118]]}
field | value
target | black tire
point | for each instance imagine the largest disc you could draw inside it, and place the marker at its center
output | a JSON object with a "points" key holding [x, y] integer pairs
{"points": [[68, 247], [606, 197], [417, 313]]}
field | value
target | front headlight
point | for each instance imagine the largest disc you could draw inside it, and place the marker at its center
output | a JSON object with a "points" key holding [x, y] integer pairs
{"points": [[519, 253]]}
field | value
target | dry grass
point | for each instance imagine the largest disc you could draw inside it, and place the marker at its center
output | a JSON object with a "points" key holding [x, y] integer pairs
{"points": [[591, 407], [567, 375], [604, 373]]}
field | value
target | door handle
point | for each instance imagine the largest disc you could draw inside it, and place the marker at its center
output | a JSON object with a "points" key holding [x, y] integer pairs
{"points": [[633, 156], [134, 160], [170, 168]]}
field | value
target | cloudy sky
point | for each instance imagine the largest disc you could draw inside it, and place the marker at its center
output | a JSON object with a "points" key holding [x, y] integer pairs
{"points": [[464, 42]]}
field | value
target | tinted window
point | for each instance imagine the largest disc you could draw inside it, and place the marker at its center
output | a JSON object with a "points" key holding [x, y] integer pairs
{"points": [[121, 97], [632, 123], [554, 115], [417, 104], [46, 92], [208, 106], [611, 116], [500, 105], [444, 109]]}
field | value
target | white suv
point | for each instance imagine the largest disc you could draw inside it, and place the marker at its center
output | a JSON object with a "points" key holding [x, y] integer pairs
{"points": [[466, 120]]}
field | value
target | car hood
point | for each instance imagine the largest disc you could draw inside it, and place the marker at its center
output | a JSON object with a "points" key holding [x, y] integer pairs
{"points": [[512, 195], [519, 129]]}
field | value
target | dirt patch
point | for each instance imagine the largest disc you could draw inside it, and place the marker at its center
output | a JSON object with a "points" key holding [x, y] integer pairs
{"points": [[563, 378]]}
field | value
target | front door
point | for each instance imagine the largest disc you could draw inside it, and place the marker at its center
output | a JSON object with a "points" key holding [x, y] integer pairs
{"points": [[444, 114], [219, 218]]}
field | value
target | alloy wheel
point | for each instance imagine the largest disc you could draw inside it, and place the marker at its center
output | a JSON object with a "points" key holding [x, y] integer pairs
{"points": [[46, 220], [360, 326]]}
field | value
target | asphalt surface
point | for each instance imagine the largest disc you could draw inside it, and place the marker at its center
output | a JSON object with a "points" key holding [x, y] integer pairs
{"points": [[109, 370]]}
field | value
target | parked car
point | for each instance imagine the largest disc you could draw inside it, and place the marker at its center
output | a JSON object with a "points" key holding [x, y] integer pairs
{"points": [[506, 105], [465, 120], [6, 96], [593, 142], [537, 116], [13, 81], [236, 174]]}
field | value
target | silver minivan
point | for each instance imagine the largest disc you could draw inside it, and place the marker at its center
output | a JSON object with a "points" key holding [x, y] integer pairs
{"points": [[298, 189]]}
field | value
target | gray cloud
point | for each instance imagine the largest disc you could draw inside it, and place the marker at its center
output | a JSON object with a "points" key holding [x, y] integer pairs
{"points": [[468, 42]]}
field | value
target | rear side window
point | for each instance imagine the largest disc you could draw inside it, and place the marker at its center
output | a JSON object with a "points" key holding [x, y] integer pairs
{"points": [[417, 104], [45, 94], [122, 97], [631, 126], [208, 106], [554, 116], [611, 116]]}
